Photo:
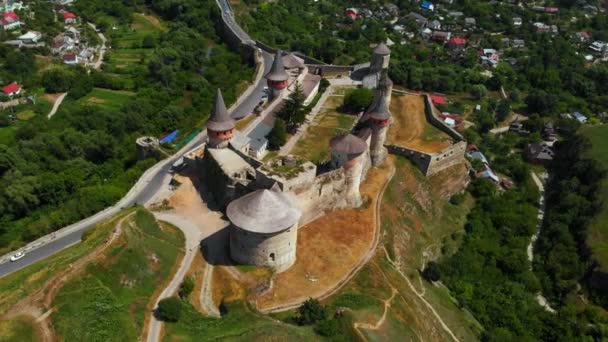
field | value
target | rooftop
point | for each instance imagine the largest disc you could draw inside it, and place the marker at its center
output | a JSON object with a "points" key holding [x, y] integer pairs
{"points": [[228, 160], [264, 211], [220, 119]]}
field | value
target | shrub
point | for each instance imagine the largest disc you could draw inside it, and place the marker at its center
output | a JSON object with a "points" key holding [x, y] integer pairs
{"points": [[311, 312], [328, 327], [185, 289], [431, 272], [457, 199], [170, 309], [357, 100]]}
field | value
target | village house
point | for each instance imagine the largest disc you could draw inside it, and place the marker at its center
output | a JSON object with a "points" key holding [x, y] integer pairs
{"points": [[470, 22], [12, 89], [69, 18], [416, 19], [392, 9], [517, 21], [62, 43], [582, 37], [31, 37], [441, 36], [10, 21], [549, 133], [434, 25], [427, 5], [70, 59], [541, 27], [351, 13], [539, 153], [578, 116], [457, 43]]}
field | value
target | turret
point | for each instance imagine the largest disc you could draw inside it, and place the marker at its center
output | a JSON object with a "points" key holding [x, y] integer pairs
{"points": [[380, 58], [220, 127], [379, 118], [277, 78], [346, 152]]}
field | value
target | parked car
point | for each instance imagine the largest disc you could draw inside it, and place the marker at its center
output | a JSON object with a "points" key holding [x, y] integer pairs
{"points": [[17, 256]]}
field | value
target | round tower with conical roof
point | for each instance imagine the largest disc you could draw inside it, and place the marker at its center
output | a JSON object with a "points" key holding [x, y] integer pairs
{"points": [[264, 229], [379, 118], [380, 58], [277, 78], [346, 152], [220, 127]]}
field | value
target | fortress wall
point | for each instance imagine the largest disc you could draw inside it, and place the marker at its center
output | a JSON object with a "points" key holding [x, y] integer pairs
{"points": [[247, 51], [277, 250], [435, 121], [428, 163], [326, 193], [272, 50], [320, 68], [447, 157]]}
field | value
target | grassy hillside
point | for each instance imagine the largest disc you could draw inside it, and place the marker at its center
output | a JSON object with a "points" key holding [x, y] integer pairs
{"points": [[18, 330], [109, 300], [597, 236]]}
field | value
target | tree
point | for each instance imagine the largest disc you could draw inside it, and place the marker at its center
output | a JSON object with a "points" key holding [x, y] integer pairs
{"points": [[57, 80], [170, 309], [293, 111], [278, 135], [311, 312], [357, 100], [186, 287], [479, 91], [328, 327], [431, 272]]}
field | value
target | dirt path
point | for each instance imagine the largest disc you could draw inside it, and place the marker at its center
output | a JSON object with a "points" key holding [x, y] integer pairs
{"points": [[206, 295], [421, 297], [38, 304], [368, 326], [56, 105]]}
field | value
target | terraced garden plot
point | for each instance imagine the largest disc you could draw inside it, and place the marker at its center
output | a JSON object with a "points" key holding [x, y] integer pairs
{"points": [[111, 99]]}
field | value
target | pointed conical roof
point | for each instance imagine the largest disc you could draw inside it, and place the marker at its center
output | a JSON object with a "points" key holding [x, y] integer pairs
{"points": [[382, 49], [379, 109], [264, 211], [277, 72], [348, 143], [220, 119]]}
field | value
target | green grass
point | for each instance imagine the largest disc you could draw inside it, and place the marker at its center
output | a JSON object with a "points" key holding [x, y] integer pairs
{"points": [[23, 282], [7, 135], [109, 99], [18, 330], [108, 301], [25, 115], [597, 236], [314, 144], [239, 324]]}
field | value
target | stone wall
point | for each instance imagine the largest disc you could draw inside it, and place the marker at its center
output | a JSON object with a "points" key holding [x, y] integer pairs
{"points": [[435, 121], [429, 163], [277, 250], [223, 188]]}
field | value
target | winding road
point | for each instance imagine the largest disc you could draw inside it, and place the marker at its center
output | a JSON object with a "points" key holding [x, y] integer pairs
{"points": [[154, 180]]}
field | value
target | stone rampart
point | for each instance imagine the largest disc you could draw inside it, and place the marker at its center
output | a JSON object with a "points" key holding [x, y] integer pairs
{"points": [[429, 163], [437, 122]]}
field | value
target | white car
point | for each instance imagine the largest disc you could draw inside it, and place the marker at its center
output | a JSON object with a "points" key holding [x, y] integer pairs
{"points": [[17, 256]]}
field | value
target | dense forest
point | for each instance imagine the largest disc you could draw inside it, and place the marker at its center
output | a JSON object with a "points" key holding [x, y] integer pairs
{"points": [[55, 172], [490, 274], [550, 70], [565, 263]]}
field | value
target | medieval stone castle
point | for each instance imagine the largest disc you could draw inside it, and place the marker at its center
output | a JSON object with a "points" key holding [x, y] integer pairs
{"points": [[266, 202]]}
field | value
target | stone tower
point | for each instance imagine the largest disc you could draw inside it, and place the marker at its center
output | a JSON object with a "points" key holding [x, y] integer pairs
{"points": [[220, 127], [347, 152], [386, 87], [277, 78], [379, 118], [380, 59], [264, 229]]}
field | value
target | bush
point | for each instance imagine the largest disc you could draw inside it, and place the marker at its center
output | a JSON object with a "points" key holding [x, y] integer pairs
{"points": [[431, 272], [457, 199], [328, 327], [311, 312], [278, 136], [479, 91], [357, 100], [185, 289], [170, 309]]}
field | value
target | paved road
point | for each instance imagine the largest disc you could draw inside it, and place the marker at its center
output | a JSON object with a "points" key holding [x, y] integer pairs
{"points": [[153, 181]]}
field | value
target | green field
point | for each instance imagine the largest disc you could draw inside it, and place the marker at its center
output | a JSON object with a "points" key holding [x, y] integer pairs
{"points": [[110, 99], [7, 135], [24, 282], [314, 144], [18, 330], [128, 40], [108, 302], [239, 324], [597, 236]]}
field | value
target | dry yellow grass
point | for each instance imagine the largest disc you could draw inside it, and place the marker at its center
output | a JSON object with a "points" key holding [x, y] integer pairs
{"points": [[410, 128], [328, 248]]}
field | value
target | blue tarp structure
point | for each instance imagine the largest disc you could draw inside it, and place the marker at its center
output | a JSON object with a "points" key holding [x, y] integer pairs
{"points": [[169, 137], [427, 5]]}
